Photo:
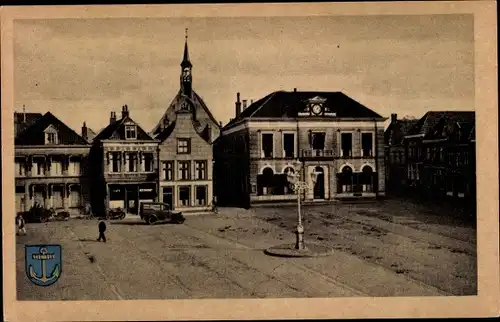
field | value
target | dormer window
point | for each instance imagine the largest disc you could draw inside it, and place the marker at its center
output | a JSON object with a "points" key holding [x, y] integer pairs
{"points": [[51, 136], [130, 132]]}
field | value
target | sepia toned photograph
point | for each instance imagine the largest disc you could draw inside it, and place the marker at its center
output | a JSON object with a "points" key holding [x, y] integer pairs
{"points": [[161, 154]]}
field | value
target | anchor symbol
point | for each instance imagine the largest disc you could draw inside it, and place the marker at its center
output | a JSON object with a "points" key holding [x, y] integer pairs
{"points": [[44, 278]]}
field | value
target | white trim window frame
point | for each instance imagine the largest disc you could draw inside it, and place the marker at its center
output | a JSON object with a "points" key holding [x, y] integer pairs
{"points": [[262, 153], [352, 144], [295, 152], [372, 151]]}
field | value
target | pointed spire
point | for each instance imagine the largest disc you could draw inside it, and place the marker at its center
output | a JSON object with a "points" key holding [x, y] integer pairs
{"points": [[185, 60]]}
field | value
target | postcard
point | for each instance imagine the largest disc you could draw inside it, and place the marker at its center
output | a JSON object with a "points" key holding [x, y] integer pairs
{"points": [[250, 161]]}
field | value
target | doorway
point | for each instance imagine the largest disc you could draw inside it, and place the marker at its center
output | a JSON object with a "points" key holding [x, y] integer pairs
{"points": [[319, 186], [168, 196]]}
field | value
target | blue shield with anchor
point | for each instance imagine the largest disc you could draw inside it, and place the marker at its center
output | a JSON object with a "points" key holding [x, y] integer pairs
{"points": [[43, 263]]}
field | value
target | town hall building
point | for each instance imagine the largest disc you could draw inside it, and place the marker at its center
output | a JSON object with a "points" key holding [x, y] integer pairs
{"points": [[334, 142]]}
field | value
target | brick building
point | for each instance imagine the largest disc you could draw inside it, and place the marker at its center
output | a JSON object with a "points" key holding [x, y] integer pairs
{"points": [[441, 156], [185, 133], [50, 163], [331, 134], [124, 165], [395, 153]]}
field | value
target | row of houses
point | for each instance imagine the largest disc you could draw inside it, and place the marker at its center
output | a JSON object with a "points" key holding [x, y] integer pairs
{"points": [[433, 157], [336, 144]]}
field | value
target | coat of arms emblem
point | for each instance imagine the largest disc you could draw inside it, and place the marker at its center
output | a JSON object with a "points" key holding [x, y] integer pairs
{"points": [[43, 263]]}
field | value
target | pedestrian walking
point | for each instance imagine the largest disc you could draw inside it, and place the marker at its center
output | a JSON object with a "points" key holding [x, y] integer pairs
{"points": [[214, 205], [21, 224], [102, 229]]}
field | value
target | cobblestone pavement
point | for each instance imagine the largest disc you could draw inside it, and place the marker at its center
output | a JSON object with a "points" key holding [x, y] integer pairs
{"points": [[381, 249]]}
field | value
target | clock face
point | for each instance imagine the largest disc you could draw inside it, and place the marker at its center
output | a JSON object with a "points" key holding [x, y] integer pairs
{"points": [[317, 109]]}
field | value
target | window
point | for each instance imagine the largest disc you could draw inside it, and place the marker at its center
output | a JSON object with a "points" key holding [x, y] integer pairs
{"points": [[346, 145], [184, 195], [201, 170], [148, 162], [201, 196], [184, 167], [318, 141], [168, 170], [38, 168], [74, 168], [56, 168], [367, 144], [75, 199], [132, 162], [183, 146], [50, 138], [20, 169], [130, 132], [289, 145], [115, 161], [267, 145]]}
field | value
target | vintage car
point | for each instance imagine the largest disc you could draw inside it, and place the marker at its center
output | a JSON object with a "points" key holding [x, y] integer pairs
{"points": [[37, 213], [154, 212]]}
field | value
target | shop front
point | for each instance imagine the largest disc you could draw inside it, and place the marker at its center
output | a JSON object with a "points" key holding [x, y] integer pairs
{"points": [[129, 196]]}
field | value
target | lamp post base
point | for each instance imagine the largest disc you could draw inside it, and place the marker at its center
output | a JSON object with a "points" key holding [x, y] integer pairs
{"points": [[299, 244], [290, 250]]}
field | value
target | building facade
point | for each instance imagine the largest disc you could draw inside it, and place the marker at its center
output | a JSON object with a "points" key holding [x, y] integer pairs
{"points": [[51, 163], [185, 133], [441, 156], [124, 166], [332, 135], [395, 154]]}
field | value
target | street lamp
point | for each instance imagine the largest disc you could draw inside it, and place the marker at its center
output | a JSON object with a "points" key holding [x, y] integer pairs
{"points": [[298, 186]]}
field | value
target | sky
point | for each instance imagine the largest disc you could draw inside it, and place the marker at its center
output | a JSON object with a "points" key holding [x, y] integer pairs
{"points": [[82, 69]]}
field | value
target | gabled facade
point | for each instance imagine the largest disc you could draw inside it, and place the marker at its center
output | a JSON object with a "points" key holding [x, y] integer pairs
{"points": [[331, 134], [395, 153], [51, 164], [124, 166], [203, 120], [441, 155], [185, 179]]}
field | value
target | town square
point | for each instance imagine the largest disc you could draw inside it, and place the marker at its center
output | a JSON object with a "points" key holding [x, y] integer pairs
{"points": [[390, 248]]}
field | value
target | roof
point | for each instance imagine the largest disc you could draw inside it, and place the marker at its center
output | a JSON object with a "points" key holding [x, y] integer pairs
{"points": [[431, 118], [34, 134], [395, 132], [287, 104], [165, 133], [23, 120], [198, 103], [116, 131], [456, 126]]}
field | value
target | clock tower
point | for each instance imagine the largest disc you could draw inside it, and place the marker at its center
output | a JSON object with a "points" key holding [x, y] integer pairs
{"points": [[186, 68]]}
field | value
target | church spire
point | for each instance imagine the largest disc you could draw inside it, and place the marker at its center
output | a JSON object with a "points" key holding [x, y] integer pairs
{"points": [[186, 62], [186, 66]]}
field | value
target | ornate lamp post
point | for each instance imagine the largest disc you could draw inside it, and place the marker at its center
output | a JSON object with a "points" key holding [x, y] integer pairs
{"points": [[298, 187]]}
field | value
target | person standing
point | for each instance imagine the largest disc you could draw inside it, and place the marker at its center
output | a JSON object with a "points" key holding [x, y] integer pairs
{"points": [[21, 225], [102, 229]]}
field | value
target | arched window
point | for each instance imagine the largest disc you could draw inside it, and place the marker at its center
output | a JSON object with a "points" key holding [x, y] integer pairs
{"points": [[367, 179], [287, 185], [345, 181], [265, 182]]}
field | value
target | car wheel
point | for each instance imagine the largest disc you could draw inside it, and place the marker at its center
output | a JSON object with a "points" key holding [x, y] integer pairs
{"points": [[43, 219], [151, 220], [122, 216]]}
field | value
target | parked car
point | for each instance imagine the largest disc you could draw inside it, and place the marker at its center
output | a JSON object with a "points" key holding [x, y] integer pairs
{"points": [[153, 212], [37, 213]]}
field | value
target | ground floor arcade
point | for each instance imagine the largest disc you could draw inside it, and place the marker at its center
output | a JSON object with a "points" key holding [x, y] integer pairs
{"points": [[59, 196]]}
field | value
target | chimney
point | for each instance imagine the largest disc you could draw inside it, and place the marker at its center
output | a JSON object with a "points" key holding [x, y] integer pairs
{"points": [[394, 117], [238, 104], [85, 134], [112, 118], [220, 123], [125, 112], [244, 105], [251, 102], [295, 90]]}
